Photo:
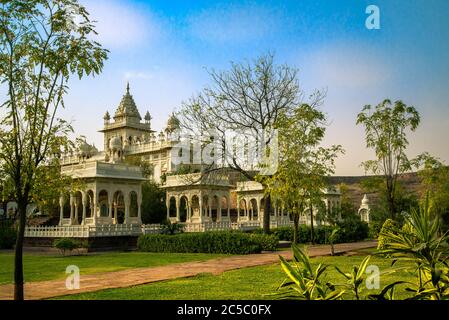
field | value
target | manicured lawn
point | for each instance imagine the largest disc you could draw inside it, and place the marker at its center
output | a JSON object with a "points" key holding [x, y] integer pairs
{"points": [[248, 283], [38, 267]]}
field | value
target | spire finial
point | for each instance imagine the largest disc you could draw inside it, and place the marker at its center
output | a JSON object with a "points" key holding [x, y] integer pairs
{"points": [[127, 88]]}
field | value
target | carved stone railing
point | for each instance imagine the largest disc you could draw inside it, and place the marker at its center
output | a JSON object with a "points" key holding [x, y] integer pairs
{"points": [[113, 230], [107, 230]]}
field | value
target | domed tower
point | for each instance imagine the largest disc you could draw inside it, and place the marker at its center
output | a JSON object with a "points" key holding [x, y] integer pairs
{"points": [[127, 109], [173, 123], [364, 210], [126, 125]]}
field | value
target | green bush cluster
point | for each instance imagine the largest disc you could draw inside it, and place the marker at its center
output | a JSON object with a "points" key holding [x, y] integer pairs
{"points": [[208, 242], [68, 244], [8, 235], [389, 227], [350, 231]]}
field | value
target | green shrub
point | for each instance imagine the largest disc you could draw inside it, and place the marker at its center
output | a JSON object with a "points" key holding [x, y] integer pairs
{"points": [[226, 242], [283, 233], [8, 235], [67, 244], [349, 231], [389, 227], [352, 230], [167, 227], [374, 229], [268, 242]]}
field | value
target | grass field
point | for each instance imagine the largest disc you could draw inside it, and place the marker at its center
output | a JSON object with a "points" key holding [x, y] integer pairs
{"points": [[39, 267], [247, 283]]}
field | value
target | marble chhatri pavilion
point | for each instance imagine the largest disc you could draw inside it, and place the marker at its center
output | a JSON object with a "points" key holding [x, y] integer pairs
{"points": [[109, 198]]}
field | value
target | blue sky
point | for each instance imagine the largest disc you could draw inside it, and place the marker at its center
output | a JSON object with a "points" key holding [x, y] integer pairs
{"points": [[163, 47]]}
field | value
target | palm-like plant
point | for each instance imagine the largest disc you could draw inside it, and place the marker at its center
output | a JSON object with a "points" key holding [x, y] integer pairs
{"points": [[304, 282], [356, 277], [419, 242]]}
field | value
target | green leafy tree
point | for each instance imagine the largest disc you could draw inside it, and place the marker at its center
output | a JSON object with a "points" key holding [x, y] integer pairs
{"points": [[153, 203], [386, 127], [434, 177], [42, 44], [249, 97], [303, 165]]}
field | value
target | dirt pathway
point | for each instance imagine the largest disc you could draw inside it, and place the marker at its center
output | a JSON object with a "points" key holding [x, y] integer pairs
{"points": [[139, 276]]}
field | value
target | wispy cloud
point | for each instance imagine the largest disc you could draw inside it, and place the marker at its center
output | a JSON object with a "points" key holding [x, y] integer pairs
{"points": [[121, 25], [233, 23]]}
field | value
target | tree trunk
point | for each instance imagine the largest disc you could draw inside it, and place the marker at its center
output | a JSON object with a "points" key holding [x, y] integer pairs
{"points": [[266, 215], [18, 259], [390, 199], [296, 229], [312, 233]]}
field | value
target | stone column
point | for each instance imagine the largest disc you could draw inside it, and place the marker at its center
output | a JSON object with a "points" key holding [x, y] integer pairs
{"points": [[238, 209], [127, 204], [71, 209], [110, 207], [167, 204], [178, 216], [94, 208], [61, 209], [84, 203], [200, 200], [139, 208]]}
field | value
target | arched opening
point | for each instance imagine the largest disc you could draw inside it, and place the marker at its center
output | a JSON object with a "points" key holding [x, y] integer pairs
{"points": [[224, 206], [103, 203], [66, 206], [214, 208], [183, 209], [78, 202], [254, 210], [172, 207], [242, 208], [195, 206], [133, 205], [119, 207]]}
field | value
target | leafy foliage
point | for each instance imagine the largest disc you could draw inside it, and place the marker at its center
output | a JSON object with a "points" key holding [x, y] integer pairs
{"points": [[419, 241], [167, 227], [42, 45], [305, 283], [153, 203], [68, 245], [386, 128], [299, 181], [205, 242], [8, 234]]}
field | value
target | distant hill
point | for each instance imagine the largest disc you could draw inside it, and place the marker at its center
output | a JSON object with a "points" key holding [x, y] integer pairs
{"points": [[409, 181]]}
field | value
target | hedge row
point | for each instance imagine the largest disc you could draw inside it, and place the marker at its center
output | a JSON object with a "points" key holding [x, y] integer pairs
{"points": [[350, 231], [208, 242]]}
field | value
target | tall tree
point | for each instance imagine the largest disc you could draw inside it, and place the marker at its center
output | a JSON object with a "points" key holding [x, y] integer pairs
{"points": [[386, 127], [247, 98], [300, 180], [42, 44]]}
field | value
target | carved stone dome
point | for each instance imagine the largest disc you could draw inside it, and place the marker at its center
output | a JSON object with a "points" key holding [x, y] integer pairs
{"points": [[173, 123]]}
